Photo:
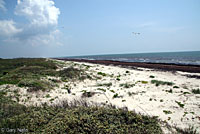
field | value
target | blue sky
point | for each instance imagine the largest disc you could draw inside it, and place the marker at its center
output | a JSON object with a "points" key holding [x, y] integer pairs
{"points": [[47, 28]]}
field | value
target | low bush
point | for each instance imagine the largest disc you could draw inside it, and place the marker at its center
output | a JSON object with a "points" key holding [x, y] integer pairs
{"points": [[126, 85], [35, 85], [157, 83], [76, 117], [105, 84], [88, 94], [196, 91], [100, 73]]}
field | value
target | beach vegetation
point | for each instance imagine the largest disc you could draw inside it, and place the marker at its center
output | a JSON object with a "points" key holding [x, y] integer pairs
{"points": [[118, 79], [112, 91], [116, 95], [127, 71], [144, 82], [180, 104], [35, 85], [126, 85], [101, 89], [68, 88], [88, 94], [105, 84], [169, 91], [167, 112], [74, 117], [33, 72], [175, 87], [72, 73], [100, 73], [158, 82], [123, 100], [189, 130], [48, 96], [151, 76], [186, 92], [131, 93], [196, 91]]}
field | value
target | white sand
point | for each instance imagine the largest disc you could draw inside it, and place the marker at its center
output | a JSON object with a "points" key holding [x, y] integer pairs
{"points": [[146, 98]]}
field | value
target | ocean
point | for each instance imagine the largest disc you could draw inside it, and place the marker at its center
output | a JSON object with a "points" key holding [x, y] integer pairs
{"points": [[186, 58]]}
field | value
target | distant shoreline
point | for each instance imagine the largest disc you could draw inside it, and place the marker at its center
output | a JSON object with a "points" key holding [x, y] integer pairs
{"points": [[159, 66]]}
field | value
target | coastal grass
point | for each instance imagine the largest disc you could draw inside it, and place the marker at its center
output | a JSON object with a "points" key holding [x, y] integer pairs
{"points": [[127, 85], [158, 82], [104, 84], [196, 91], [77, 117], [33, 72]]}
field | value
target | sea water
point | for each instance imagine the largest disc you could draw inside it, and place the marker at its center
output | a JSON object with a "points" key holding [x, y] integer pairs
{"points": [[188, 58]]}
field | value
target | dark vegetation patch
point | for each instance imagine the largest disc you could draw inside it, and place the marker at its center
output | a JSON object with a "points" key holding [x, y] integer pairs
{"points": [[88, 94], [101, 89], [73, 73], [189, 130], [74, 119], [196, 91], [105, 84], [151, 76], [158, 82], [175, 87], [35, 85], [167, 112], [100, 73], [12, 71], [127, 85], [192, 76], [27, 72], [180, 104]]}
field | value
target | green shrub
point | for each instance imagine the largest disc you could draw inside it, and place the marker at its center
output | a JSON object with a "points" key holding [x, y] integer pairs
{"points": [[126, 85], [100, 73], [157, 83], [144, 82], [180, 104], [35, 85], [101, 89], [88, 94], [118, 78], [189, 130], [131, 93], [196, 91], [116, 95], [72, 73], [167, 112], [151, 76], [127, 71], [76, 117], [105, 84]]}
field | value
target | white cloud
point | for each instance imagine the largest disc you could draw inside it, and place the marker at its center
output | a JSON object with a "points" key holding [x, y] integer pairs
{"points": [[2, 5], [42, 16], [8, 28], [38, 12], [45, 39]]}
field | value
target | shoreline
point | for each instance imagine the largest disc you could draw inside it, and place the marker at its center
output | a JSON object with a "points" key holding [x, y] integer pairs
{"points": [[155, 66]]}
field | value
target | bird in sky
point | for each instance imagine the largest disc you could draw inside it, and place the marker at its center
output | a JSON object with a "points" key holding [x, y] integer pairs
{"points": [[135, 33]]}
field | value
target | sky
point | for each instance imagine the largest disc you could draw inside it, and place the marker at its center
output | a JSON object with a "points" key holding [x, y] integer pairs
{"points": [[57, 28]]}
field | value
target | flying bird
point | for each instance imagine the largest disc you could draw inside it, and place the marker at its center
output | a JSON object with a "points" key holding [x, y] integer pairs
{"points": [[135, 33]]}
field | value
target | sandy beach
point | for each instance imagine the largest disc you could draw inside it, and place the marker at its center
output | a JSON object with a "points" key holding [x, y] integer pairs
{"points": [[166, 94]]}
